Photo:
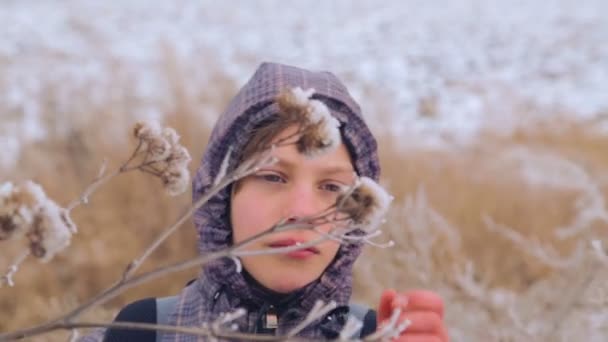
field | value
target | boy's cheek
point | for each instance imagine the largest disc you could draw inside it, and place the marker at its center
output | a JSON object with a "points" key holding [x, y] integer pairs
{"points": [[247, 222]]}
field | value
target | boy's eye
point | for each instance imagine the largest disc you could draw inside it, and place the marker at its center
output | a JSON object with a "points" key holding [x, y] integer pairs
{"points": [[271, 177], [332, 187]]}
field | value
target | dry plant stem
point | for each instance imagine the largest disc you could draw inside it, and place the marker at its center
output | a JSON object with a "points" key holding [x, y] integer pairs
{"points": [[385, 331], [129, 281], [318, 311], [113, 291], [8, 277], [584, 278], [101, 179], [74, 335], [84, 198], [170, 328], [234, 176]]}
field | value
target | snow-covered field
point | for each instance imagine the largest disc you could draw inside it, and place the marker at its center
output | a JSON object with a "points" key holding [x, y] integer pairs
{"points": [[435, 73], [438, 69]]}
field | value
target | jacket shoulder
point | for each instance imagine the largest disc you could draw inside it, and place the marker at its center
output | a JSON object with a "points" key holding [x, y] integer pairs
{"points": [[141, 311]]}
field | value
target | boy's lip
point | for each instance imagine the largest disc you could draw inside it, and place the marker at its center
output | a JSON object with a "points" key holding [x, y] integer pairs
{"points": [[293, 242]]}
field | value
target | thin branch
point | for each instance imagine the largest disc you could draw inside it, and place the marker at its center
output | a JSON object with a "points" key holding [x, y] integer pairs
{"points": [[391, 329], [8, 277], [233, 251], [598, 251], [581, 281], [353, 326], [201, 331], [117, 289], [74, 335], [240, 172], [90, 189], [545, 254], [319, 310], [129, 280]]}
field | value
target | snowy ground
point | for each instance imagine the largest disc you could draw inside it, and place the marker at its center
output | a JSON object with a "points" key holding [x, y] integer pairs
{"points": [[440, 68]]}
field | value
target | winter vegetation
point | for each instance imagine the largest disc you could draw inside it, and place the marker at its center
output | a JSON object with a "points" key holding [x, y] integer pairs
{"points": [[27, 214], [491, 124]]}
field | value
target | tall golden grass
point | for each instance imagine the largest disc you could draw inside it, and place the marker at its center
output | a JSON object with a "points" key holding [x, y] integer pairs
{"points": [[123, 217]]}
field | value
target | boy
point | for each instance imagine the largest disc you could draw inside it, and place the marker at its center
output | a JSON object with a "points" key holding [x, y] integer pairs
{"points": [[278, 290]]}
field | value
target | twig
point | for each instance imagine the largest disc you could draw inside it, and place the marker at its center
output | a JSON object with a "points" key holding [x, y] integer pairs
{"points": [[90, 189], [582, 281], [133, 155], [101, 179], [200, 331], [319, 310], [261, 161], [74, 335], [391, 329], [546, 254], [352, 326], [128, 280], [8, 277], [119, 288]]}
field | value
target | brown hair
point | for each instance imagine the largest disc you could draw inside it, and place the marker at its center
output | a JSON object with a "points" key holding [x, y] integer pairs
{"points": [[261, 138]]}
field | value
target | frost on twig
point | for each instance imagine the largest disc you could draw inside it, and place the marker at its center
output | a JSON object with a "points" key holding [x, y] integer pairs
{"points": [[226, 318], [599, 252], [74, 335], [246, 168], [234, 250], [318, 311], [158, 153], [546, 254], [540, 168], [366, 204], [161, 155], [223, 168], [8, 277], [319, 131], [353, 326], [29, 217], [26, 213], [392, 329]]}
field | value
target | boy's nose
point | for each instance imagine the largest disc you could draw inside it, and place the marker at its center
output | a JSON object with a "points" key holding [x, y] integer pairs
{"points": [[300, 203]]}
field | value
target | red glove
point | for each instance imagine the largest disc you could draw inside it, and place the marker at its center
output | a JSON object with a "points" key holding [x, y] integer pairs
{"points": [[424, 309]]}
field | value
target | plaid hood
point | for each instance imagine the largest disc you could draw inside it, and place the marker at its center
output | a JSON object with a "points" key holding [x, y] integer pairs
{"points": [[220, 287]]}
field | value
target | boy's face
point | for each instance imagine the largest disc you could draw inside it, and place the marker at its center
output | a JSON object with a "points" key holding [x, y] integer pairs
{"points": [[294, 187]]}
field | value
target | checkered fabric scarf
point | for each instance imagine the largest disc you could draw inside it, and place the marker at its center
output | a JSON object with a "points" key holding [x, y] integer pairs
{"points": [[219, 287]]}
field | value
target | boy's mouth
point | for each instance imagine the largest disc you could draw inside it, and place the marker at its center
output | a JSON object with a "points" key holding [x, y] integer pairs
{"points": [[300, 253]]}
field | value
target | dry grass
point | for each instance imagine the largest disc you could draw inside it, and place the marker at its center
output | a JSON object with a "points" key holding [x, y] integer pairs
{"points": [[124, 216]]}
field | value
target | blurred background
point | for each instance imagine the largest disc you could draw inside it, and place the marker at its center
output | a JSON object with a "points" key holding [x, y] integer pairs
{"points": [[491, 116]]}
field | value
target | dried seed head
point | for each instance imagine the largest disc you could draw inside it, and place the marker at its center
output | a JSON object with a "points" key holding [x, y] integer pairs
{"points": [[320, 131], [25, 210], [319, 138], [159, 149], [164, 156], [161, 146], [49, 234], [146, 129], [179, 158], [176, 181], [6, 189], [293, 103], [18, 206], [7, 227], [171, 136], [365, 205]]}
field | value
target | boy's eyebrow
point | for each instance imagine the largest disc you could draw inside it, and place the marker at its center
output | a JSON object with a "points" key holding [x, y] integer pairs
{"points": [[339, 169], [332, 169]]}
